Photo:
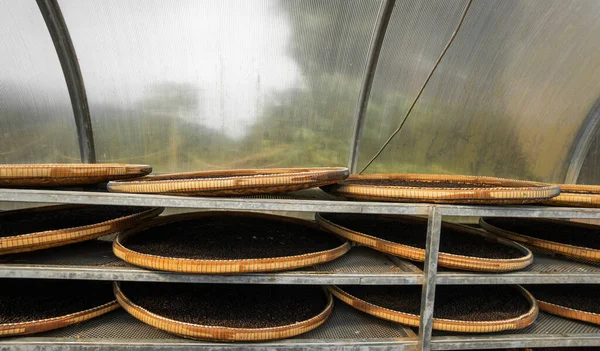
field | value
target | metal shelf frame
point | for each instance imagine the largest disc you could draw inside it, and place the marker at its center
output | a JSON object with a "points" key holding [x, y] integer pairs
{"points": [[347, 329], [312, 204], [429, 277]]}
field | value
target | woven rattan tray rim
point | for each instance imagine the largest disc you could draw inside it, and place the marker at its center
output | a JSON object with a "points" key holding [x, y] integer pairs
{"points": [[310, 323], [564, 249], [414, 320], [67, 235], [121, 251], [567, 312], [64, 320], [444, 259], [500, 193], [68, 167], [228, 180], [579, 188], [574, 200], [449, 178]]}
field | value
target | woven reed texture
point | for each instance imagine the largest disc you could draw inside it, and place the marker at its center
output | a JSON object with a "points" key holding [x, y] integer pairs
{"points": [[444, 259], [504, 191], [186, 265], [11, 329], [569, 251], [575, 195], [570, 313], [41, 175], [233, 182], [60, 237], [439, 323], [219, 333]]}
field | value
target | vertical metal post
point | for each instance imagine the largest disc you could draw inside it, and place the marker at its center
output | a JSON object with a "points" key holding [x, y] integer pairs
{"points": [[68, 61], [385, 12], [434, 225], [590, 128]]}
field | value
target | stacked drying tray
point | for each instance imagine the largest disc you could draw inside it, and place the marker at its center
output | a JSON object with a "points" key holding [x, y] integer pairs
{"points": [[242, 243]]}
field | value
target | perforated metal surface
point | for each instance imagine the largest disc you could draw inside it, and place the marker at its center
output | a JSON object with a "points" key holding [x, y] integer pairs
{"points": [[545, 269], [361, 259], [95, 260], [99, 253], [344, 323], [544, 263], [548, 330], [308, 194], [348, 323], [87, 253], [545, 324], [114, 325], [549, 324]]}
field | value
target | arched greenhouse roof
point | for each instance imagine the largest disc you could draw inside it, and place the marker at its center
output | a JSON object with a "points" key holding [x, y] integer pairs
{"points": [[198, 85]]}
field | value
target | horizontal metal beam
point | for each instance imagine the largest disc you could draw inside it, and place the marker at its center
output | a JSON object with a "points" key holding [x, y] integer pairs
{"points": [[138, 274], [362, 267], [308, 278], [438, 343], [59, 344], [550, 331], [303, 205], [515, 341], [517, 278]]}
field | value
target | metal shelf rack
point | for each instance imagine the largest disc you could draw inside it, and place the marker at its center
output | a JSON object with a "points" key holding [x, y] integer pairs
{"points": [[94, 260], [347, 329]]}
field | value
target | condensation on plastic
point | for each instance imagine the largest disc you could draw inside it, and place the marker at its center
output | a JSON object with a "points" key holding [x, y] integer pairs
{"points": [[508, 99], [198, 85], [36, 119]]}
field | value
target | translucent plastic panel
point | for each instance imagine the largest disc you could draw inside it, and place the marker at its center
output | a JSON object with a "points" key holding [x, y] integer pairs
{"points": [[36, 120], [508, 99], [193, 85]]}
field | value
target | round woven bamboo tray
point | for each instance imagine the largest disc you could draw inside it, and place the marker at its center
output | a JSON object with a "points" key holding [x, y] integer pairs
{"points": [[495, 226], [57, 237], [221, 266], [223, 333], [233, 182], [575, 195], [40, 175], [60, 321], [574, 311], [445, 259], [453, 325], [434, 188]]}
